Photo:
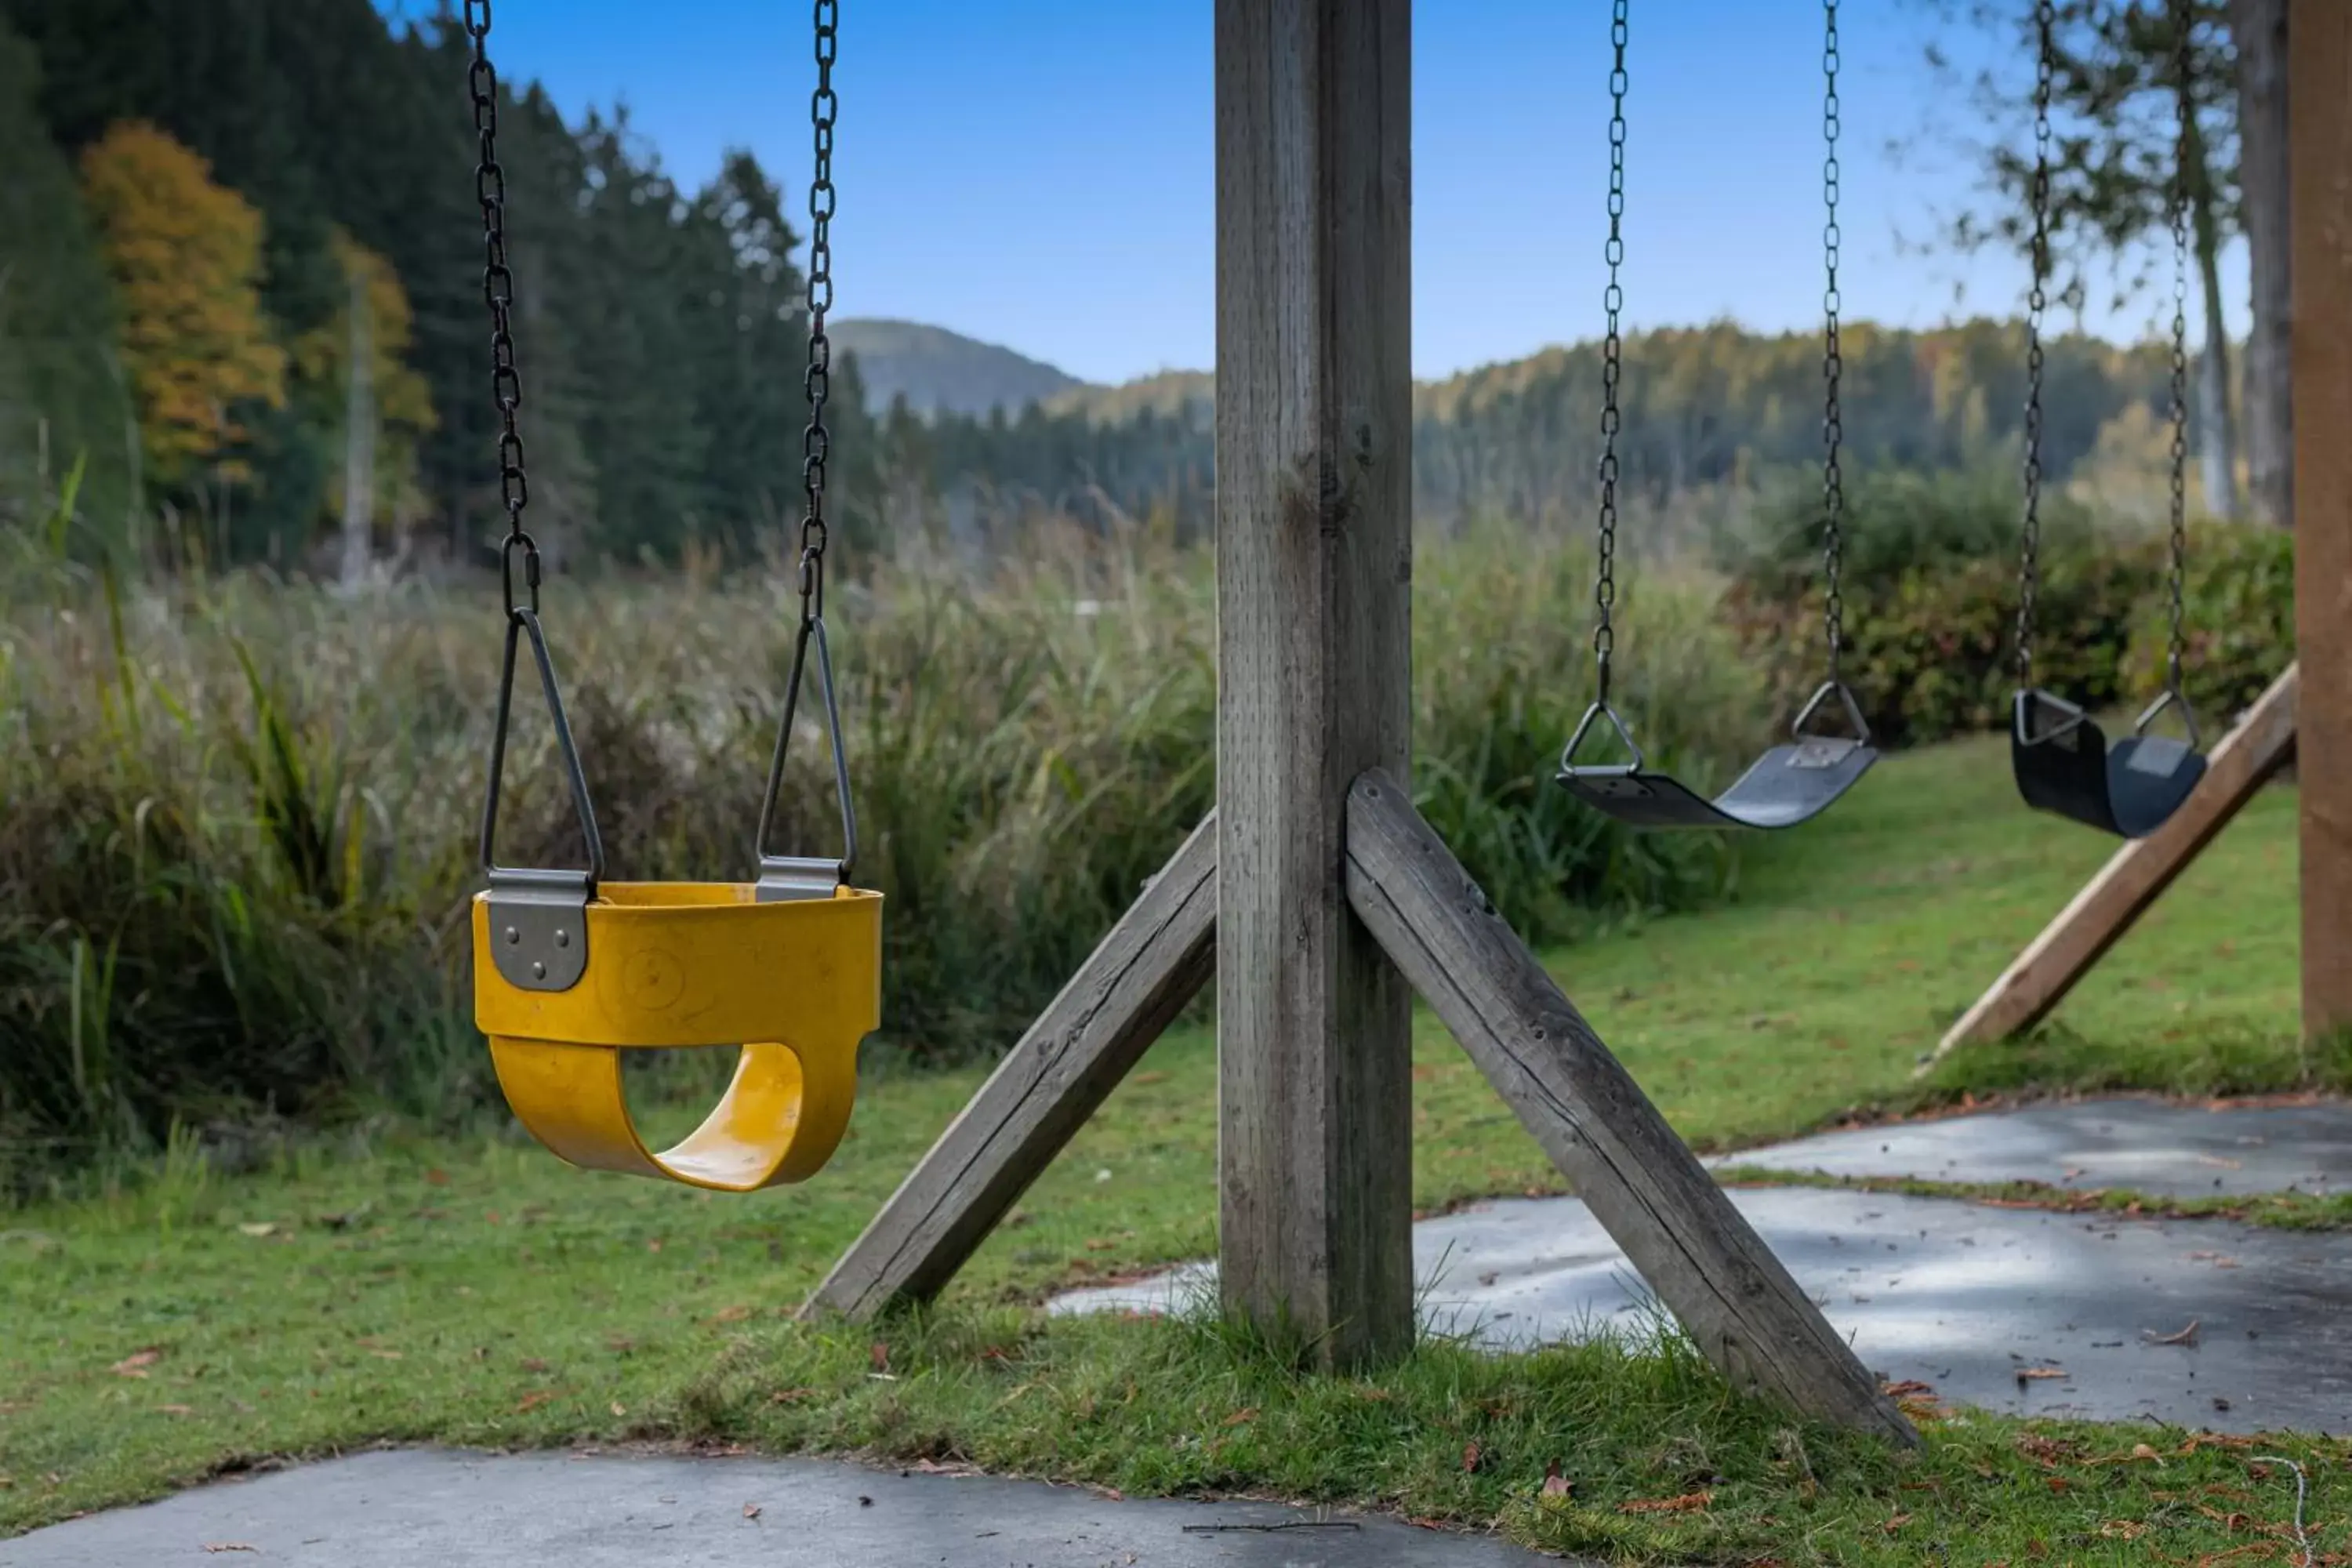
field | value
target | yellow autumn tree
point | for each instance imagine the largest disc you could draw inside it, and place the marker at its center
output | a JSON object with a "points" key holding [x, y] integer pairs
{"points": [[186, 256], [371, 334]]}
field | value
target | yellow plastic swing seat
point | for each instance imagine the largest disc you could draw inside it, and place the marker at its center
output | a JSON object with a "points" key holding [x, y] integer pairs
{"points": [[796, 983]]}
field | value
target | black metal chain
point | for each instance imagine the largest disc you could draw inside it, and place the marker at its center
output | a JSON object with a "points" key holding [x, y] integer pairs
{"points": [[1832, 358], [816, 441], [514, 489], [497, 292], [796, 877], [2183, 20], [1604, 587], [2045, 51]]}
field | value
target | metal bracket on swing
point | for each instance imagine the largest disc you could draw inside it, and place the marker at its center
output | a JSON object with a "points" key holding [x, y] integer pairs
{"points": [[1817, 750], [538, 916]]}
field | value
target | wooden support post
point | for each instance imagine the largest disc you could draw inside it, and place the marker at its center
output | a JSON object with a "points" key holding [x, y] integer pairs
{"points": [[1153, 962], [1314, 431], [2319, 156], [1641, 1181], [2133, 879]]}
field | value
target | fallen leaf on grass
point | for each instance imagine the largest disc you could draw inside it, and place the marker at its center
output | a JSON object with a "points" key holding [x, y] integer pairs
{"points": [[1689, 1502], [534, 1399], [175, 1409], [1471, 1455], [735, 1314], [257, 1227], [532, 1363], [136, 1364], [1895, 1525], [879, 1355], [1556, 1484], [751, 1510], [2187, 1336], [2057, 1483], [619, 1408], [1247, 1412], [437, 1177], [2122, 1529], [791, 1396]]}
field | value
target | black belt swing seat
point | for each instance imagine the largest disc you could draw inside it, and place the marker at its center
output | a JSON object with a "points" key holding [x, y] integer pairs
{"points": [[2063, 761], [2066, 764], [1799, 779], [1790, 783]]}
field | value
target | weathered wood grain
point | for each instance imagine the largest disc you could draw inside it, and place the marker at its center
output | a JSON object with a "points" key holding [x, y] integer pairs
{"points": [[1641, 1181], [1314, 433], [1153, 962], [2319, 204]]}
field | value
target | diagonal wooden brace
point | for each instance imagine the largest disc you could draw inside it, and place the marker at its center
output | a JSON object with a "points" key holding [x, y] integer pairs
{"points": [[1153, 962], [1640, 1180], [2133, 879]]}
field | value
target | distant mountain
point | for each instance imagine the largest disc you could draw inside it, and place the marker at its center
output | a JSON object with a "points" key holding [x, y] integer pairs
{"points": [[941, 371]]}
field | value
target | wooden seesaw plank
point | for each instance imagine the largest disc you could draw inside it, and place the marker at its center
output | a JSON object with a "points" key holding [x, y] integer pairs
{"points": [[1640, 1180], [2134, 877], [1153, 962]]}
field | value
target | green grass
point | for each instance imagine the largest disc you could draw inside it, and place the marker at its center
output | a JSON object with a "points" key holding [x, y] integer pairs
{"points": [[476, 1291]]}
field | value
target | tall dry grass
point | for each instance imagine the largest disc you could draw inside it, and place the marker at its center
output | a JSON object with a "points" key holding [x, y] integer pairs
{"points": [[237, 816]]}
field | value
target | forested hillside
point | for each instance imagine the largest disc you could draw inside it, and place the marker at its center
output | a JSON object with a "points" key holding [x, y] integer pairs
{"points": [[240, 264], [200, 190]]}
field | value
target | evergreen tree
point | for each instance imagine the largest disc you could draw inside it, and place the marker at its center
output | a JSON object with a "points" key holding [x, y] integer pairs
{"points": [[63, 397]]}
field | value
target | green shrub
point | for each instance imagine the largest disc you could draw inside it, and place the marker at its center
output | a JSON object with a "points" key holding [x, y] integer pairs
{"points": [[237, 837], [1897, 523], [2238, 625], [1931, 595]]}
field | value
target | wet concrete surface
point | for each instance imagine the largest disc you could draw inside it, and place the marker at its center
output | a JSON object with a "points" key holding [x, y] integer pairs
{"points": [[1963, 1298], [452, 1510], [2174, 1150]]}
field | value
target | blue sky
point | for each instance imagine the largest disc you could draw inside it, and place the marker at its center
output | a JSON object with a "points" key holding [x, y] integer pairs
{"points": [[1040, 174]]}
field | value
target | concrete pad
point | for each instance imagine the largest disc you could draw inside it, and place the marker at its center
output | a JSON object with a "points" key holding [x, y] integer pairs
{"points": [[2174, 1150], [1962, 1297], [449, 1510]]}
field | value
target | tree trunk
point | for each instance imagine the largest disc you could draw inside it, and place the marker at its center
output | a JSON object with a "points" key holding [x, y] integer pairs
{"points": [[2217, 440], [359, 444], [2259, 30]]}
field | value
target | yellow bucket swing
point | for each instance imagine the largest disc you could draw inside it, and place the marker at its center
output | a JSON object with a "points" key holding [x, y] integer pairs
{"points": [[571, 971]]}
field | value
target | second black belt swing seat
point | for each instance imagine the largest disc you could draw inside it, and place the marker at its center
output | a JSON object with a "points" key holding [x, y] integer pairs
{"points": [[2063, 760]]}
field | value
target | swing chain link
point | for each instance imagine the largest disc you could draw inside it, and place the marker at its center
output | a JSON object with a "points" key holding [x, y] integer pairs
{"points": [[1604, 590], [2183, 18], [1832, 357], [2045, 23], [497, 292], [816, 441]]}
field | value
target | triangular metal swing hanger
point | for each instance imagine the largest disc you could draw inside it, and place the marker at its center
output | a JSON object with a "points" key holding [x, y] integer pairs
{"points": [[540, 936], [783, 877]]}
